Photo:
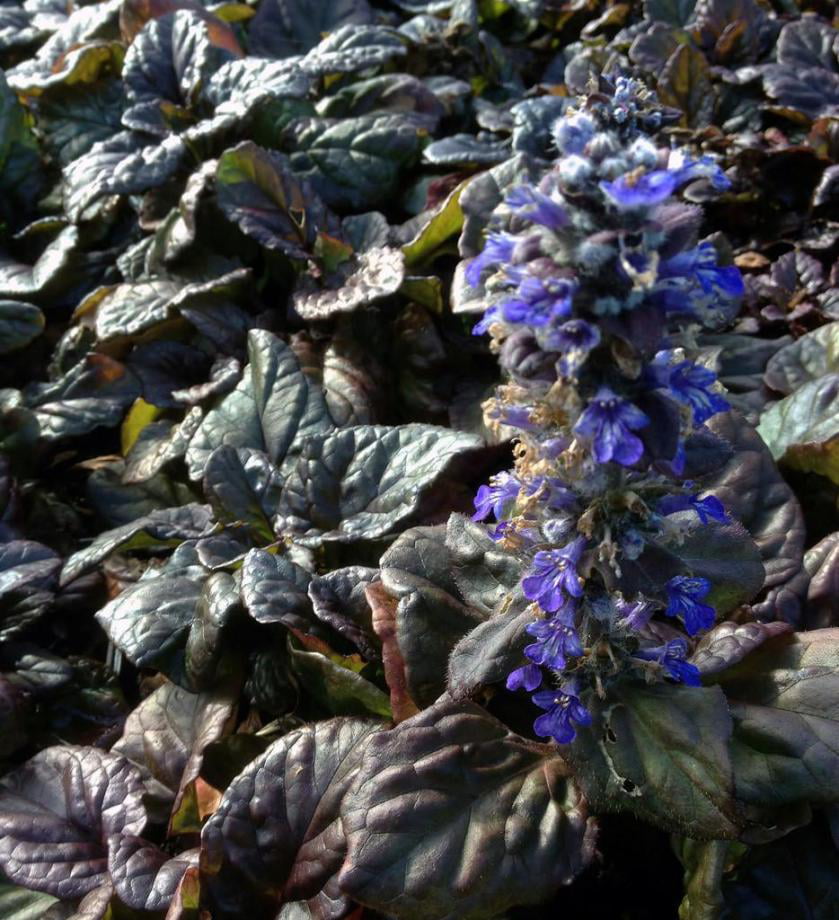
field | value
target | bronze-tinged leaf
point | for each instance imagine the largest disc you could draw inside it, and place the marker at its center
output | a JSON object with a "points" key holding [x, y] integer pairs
{"points": [[685, 84], [453, 816]]}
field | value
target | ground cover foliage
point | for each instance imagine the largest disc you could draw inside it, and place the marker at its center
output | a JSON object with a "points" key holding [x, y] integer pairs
{"points": [[254, 652]]}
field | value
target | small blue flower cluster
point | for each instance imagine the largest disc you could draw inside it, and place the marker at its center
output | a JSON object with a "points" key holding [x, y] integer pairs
{"points": [[588, 278]]}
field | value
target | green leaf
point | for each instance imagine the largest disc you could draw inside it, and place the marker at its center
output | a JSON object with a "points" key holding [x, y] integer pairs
{"points": [[355, 163], [133, 308], [784, 699], [673, 12], [452, 795], [488, 653], [484, 574], [20, 323], [171, 58], [55, 271], [121, 165], [274, 408], [256, 190], [160, 528], [352, 48], [802, 430], [685, 84], [338, 689], [806, 359], [274, 590], [243, 486], [724, 554], [363, 482], [73, 120], [282, 28], [465, 150], [443, 223], [173, 623], [661, 752], [18, 903], [704, 862]]}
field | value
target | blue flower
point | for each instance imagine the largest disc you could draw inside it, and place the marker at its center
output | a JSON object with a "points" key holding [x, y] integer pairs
{"points": [[705, 167], [514, 416], [699, 266], [650, 188], [574, 339], [708, 508], [528, 678], [672, 657], [634, 191], [498, 248], [690, 383], [634, 614], [539, 301], [609, 421], [537, 207], [556, 640], [554, 493], [684, 599], [490, 316], [497, 497], [563, 709], [554, 572]]}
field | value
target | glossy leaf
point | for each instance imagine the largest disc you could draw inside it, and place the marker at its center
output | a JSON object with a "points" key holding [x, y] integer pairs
{"points": [[160, 528], [784, 703], [754, 492], [256, 190], [274, 408], [802, 430], [361, 482], [278, 825], [355, 162], [426, 790], [58, 811], [661, 752]]}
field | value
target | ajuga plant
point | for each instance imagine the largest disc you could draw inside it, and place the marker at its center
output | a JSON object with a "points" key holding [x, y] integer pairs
{"points": [[595, 286]]}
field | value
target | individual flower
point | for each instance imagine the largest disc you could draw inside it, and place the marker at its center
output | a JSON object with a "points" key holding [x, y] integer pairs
{"points": [[708, 509], [498, 248], [539, 301], [563, 710], [556, 642], [634, 614], [528, 677], [574, 339], [554, 493], [640, 191], [706, 167], [537, 207], [497, 497], [513, 416], [691, 384], [672, 657], [684, 599], [553, 576], [609, 422], [699, 266]]}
